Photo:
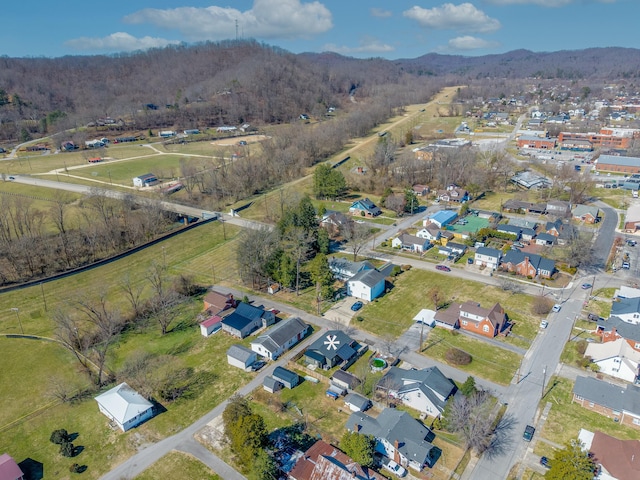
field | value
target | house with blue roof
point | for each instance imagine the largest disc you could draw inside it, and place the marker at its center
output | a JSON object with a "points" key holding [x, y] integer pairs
{"points": [[443, 218], [246, 319], [364, 208]]}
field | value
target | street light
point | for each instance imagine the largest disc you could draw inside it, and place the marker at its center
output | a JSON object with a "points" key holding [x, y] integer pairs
{"points": [[544, 378], [16, 310]]}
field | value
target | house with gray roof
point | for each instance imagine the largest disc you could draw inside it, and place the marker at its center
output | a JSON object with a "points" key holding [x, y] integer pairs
{"points": [[545, 239], [411, 243], [366, 285], [627, 310], [280, 338], [586, 213], [288, 378], [356, 402], [510, 229], [241, 357], [488, 257], [334, 348], [528, 264], [425, 390], [125, 407], [620, 404], [343, 269], [398, 436], [559, 208], [613, 328]]}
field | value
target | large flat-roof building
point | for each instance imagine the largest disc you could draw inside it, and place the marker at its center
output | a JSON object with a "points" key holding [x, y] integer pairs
{"points": [[615, 163]]}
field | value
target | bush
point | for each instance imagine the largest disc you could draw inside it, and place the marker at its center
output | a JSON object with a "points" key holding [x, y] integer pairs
{"points": [[67, 449], [581, 346], [395, 271], [406, 268], [75, 468], [59, 436], [541, 305], [457, 357]]}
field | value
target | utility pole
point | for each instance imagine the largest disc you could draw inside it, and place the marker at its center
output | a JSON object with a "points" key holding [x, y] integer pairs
{"points": [[16, 311], [236, 29], [44, 299], [544, 378]]}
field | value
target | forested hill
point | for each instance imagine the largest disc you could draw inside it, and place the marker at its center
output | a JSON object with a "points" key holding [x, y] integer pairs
{"points": [[245, 81]]}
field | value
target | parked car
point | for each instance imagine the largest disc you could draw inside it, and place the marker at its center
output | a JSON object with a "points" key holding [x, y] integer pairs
{"points": [[443, 268], [470, 261], [528, 433], [356, 306], [632, 243], [257, 365], [593, 317], [544, 461], [586, 286], [626, 265], [394, 468], [556, 308], [544, 324], [518, 244]]}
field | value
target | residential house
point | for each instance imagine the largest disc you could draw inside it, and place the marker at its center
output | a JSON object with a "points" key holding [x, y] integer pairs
{"points": [[424, 390], [510, 230], [632, 219], [554, 228], [447, 318], [527, 234], [530, 180], [559, 208], [616, 358], [9, 469], [216, 302], [488, 257], [398, 436], [441, 218], [627, 310], [211, 325], [357, 403], [622, 405], [325, 462], [518, 206], [446, 236], [545, 239], [344, 269], [241, 357], [626, 292], [430, 232], [412, 243], [145, 180], [470, 316], [364, 208], [288, 378], [615, 458], [523, 223], [453, 193], [280, 338], [334, 222], [334, 348], [421, 190], [125, 407], [586, 213], [366, 285], [456, 249], [245, 319], [528, 264]]}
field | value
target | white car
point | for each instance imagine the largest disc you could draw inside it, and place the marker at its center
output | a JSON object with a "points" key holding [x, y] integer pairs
{"points": [[394, 468], [544, 324], [556, 308]]}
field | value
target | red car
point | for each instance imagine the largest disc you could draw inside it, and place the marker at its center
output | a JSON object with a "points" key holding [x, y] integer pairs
{"points": [[443, 268]]}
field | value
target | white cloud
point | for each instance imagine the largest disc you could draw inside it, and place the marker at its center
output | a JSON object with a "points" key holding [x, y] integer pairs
{"points": [[546, 3], [266, 19], [118, 42], [464, 17], [367, 45], [380, 13], [468, 42]]}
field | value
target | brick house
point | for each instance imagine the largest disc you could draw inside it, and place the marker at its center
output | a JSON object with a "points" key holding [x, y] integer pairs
{"points": [[532, 141], [621, 405], [528, 264], [470, 316]]}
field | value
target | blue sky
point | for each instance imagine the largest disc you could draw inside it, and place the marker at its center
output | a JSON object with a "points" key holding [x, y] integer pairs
{"points": [[359, 28]]}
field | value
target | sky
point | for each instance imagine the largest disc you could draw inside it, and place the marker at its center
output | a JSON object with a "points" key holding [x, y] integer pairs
{"points": [[389, 29]]}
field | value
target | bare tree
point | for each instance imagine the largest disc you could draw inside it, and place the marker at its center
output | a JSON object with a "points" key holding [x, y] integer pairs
{"points": [[297, 242], [164, 297], [69, 333], [133, 293], [357, 236]]}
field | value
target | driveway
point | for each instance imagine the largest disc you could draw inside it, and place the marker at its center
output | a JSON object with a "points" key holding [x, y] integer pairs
{"points": [[341, 312]]}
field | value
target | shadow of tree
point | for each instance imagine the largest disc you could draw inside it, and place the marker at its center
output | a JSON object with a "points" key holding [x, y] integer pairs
{"points": [[32, 469]]}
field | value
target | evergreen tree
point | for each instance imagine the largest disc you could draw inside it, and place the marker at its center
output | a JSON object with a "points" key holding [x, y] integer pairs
{"points": [[571, 463], [328, 182], [359, 447], [468, 388]]}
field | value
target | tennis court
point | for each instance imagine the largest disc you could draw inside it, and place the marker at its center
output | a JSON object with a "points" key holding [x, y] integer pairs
{"points": [[473, 224]]}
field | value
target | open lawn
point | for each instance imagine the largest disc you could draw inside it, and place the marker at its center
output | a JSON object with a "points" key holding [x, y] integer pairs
{"points": [[567, 418], [491, 201], [176, 465], [489, 362], [393, 313]]}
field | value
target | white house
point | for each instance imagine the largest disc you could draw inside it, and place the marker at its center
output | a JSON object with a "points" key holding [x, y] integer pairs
{"points": [[412, 243], [366, 284], [431, 232], [616, 358], [488, 257], [241, 357], [125, 407], [627, 309], [145, 180], [356, 403], [280, 338], [426, 317]]}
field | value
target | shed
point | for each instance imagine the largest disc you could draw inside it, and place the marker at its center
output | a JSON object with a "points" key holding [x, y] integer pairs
{"points": [[211, 325], [124, 406], [426, 317], [345, 379], [288, 378], [145, 180], [241, 357], [271, 385], [357, 403]]}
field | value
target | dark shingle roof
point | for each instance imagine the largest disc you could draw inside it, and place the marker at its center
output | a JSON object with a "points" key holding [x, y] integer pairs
{"points": [[369, 277], [609, 395], [279, 335]]}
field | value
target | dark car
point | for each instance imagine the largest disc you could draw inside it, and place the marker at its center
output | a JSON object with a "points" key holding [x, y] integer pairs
{"points": [[443, 268], [593, 317], [544, 461], [257, 365], [356, 306], [632, 243], [528, 433]]}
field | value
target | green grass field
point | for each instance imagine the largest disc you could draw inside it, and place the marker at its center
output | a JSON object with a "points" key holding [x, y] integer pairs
{"points": [[176, 465], [473, 224]]}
